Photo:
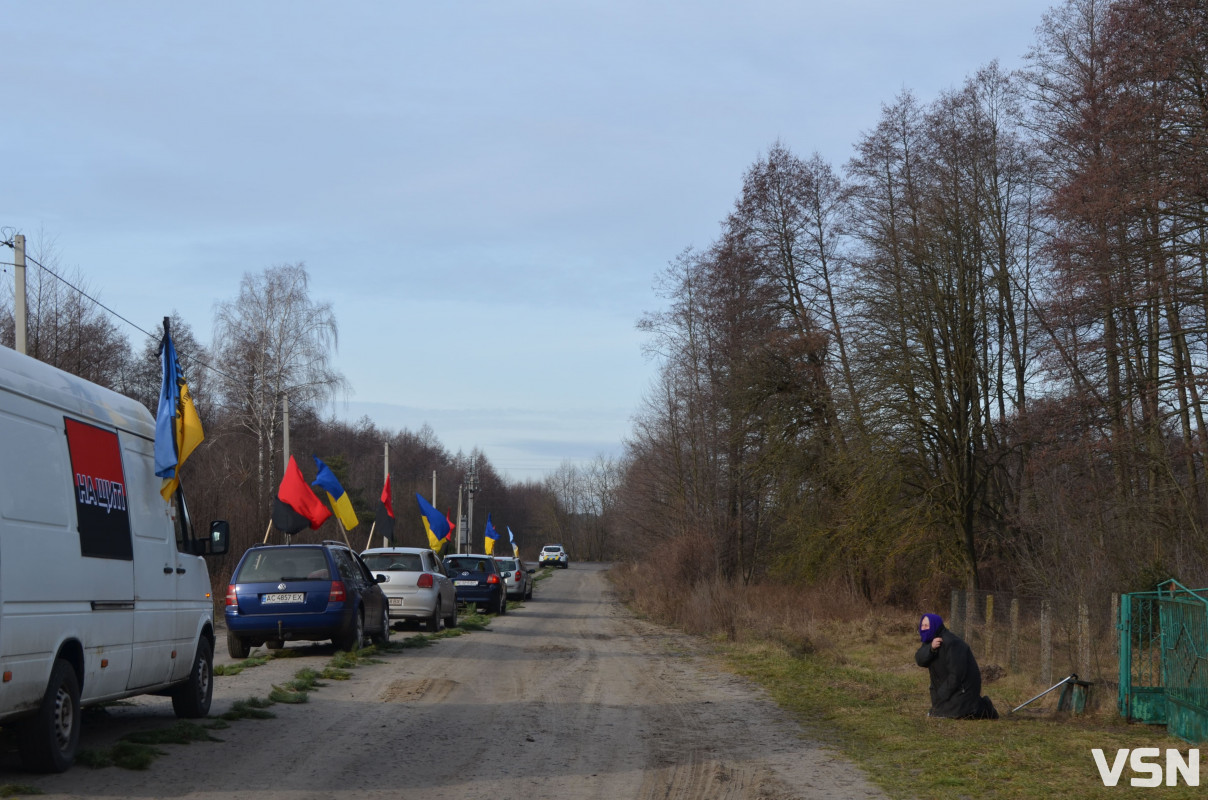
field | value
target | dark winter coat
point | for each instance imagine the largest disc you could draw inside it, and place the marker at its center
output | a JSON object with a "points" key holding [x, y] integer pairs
{"points": [[955, 678]]}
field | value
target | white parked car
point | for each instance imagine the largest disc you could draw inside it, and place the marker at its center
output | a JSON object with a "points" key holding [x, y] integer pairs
{"points": [[516, 578], [554, 555], [416, 586]]}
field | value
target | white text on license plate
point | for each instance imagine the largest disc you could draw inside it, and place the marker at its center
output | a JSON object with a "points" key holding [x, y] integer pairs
{"points": [[465, 583], [286, 597]]}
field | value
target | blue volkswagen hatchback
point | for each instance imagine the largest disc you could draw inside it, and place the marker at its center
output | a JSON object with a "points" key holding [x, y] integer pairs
{"points": [[308, 592], [477, 580]]}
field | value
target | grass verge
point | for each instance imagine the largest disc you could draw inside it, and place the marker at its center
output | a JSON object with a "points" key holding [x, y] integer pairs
{"points": [[870, 701]]}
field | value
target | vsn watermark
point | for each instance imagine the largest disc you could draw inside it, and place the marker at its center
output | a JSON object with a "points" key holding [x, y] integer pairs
{"points": [[1148, 761]]}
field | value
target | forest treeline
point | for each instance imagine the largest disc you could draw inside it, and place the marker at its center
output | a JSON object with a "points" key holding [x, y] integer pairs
{"points": [[273, 340], [972, 355]]}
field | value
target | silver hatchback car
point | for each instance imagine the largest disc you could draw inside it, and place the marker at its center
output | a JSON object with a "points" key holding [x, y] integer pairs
{"points": [[517, 578], [416, 586]]}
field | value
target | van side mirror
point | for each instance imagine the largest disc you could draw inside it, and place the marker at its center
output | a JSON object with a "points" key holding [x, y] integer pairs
{"points": [[220, 537]]}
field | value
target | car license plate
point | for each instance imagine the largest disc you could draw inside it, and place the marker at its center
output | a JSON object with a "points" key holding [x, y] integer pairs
{"points": [[465, 583], [396, 602], [285, 597]]}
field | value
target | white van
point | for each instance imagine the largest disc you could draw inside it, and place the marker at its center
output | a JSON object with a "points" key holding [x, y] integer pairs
{"points": [[103, 593]]}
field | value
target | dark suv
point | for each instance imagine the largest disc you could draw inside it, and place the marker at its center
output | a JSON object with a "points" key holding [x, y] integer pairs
{"points": [[305, 592]]}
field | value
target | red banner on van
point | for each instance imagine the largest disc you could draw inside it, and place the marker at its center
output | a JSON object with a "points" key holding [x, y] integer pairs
{"points": [[102, 512]]}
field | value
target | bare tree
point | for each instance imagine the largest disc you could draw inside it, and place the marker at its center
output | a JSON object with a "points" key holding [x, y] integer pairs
{"points": [[273, 342]]}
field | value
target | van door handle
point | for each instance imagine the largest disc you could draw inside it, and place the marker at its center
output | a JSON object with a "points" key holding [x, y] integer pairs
{"points": [[167, 570], [180, 570]]}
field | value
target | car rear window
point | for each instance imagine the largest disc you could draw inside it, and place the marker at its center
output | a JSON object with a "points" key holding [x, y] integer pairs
{"points": [[468, 564], [284, 564], [505, 563], [393, 562], [551, 548]]}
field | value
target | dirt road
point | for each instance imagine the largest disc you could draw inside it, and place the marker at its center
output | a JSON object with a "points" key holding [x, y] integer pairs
{"points": [[568, 697]]}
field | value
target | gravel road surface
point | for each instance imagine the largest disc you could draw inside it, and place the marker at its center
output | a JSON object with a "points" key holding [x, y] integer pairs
{"points": [[567, 697]]}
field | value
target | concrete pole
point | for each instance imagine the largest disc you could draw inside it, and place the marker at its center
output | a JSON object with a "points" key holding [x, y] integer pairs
{"points": [[285, 428], [19, 292], [460, 524], [434, 488], [385, 477]]}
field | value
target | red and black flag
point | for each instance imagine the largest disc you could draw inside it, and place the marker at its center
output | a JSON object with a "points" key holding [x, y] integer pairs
{"points": [[296, 506], [383, 523]]}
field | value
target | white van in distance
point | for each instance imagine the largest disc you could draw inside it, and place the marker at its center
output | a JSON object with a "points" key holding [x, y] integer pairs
{"points": [[103, 593]]}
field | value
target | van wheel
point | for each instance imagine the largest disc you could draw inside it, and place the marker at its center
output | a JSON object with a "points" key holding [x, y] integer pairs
{"points": [[236, 646], [353, 639], [191, 700], [49, 738]]}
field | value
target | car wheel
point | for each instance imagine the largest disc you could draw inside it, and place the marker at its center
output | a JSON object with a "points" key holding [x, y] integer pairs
{"points": [[353, 639], [236, 646], [528, 594], [384, 636], [433, 622], [191, 700], [451, 620], [274, 644], [48, 740], [503, 604]]}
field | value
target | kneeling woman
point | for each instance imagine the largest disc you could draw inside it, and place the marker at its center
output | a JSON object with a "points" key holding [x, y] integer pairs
{"points": [[955, 677]]}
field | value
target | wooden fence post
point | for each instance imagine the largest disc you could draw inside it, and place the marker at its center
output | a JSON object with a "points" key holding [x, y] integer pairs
{"points": [[989, 626], [1046, 644], [1013, 652], [1114, 632], [1084, 641]]}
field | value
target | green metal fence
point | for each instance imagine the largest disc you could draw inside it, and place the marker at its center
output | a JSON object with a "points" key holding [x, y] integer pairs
{"points": [[1163, 653]]}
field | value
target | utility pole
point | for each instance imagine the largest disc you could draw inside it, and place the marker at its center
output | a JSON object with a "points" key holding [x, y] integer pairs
{"points": [[19, 291], [434, 488], [461, 522], [471, 487]]}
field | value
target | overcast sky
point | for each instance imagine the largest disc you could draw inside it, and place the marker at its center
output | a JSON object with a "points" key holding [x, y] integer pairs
{"points": [[478, 188]]}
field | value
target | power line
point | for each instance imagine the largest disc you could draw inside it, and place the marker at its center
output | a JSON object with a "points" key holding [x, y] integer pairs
{"points": [[82, 293]]}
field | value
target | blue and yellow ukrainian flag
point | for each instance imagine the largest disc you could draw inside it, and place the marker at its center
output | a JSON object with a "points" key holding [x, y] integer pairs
{"points": [[491, 535], [436, 524], [177, 425], [340, 504]]}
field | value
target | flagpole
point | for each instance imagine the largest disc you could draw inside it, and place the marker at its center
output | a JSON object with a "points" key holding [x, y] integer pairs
{"points": [[343, 532], [267, 530], [369, 541]]}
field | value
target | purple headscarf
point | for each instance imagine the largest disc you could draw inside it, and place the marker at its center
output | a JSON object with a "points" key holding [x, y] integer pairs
{"points": [[933, 629]]}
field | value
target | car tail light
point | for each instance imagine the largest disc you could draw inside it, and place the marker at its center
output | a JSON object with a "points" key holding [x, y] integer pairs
{"points": [[231, 599], [337, 594], [492, 579], [425, 581]]}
